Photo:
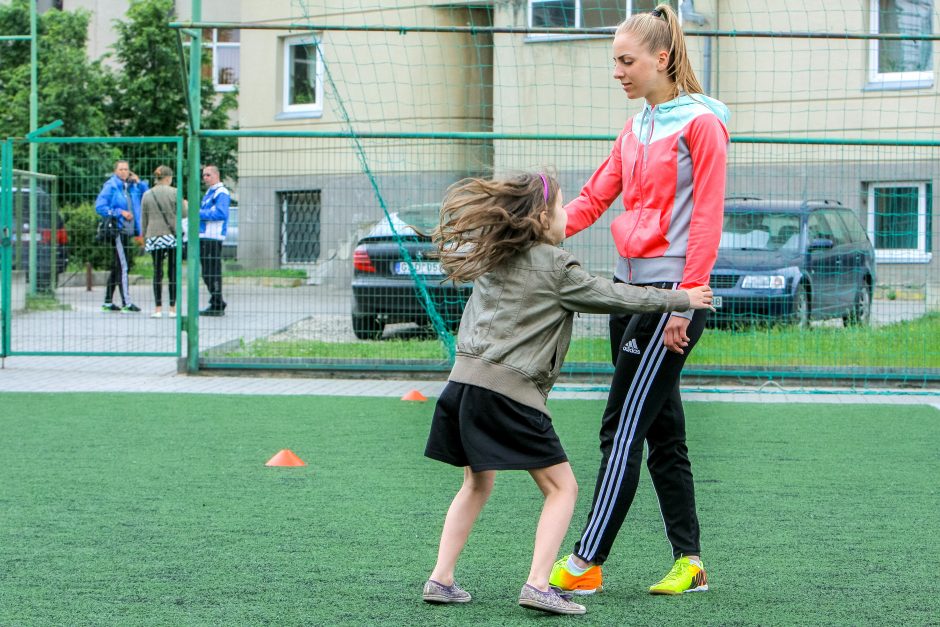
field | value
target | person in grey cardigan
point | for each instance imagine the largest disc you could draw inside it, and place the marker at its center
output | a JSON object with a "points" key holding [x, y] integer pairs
{"points": [[159, 231]]}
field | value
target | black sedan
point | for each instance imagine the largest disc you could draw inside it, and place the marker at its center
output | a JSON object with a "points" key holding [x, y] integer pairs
{"points": [[385, 284], [791, 261]]}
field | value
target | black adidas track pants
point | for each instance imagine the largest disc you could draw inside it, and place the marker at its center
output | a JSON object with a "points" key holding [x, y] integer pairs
{"points": [[644, 404]]}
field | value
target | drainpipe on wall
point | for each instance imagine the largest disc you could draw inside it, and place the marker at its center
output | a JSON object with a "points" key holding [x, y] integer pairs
{"points": [[707, 67], [689, 14]]}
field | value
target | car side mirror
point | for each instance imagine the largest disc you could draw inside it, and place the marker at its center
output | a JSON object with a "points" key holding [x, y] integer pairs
{"points": [[821, 243]]}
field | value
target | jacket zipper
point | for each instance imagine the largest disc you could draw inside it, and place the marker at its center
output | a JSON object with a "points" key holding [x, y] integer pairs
{"points": [[644, 148]]}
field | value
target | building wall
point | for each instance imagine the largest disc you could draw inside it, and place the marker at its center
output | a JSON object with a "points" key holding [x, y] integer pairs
{"points": [[382, 81], [802, 87], [375, 82], [101, 32]]}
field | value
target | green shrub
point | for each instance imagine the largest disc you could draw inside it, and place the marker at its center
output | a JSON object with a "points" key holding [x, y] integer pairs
{"points": [[81, 221]]}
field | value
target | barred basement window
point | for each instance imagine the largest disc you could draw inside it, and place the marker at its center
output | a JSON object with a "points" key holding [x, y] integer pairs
{"points": [[300, 226], [899, 221]]}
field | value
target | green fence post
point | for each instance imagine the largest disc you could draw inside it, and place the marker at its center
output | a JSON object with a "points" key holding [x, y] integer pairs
{"points": [[193, 191], [6, 222], [179, 244]]}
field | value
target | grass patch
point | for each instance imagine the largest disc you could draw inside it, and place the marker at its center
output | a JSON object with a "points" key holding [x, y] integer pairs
{"points": [[44, 301], [367, 349], [143, 266], [898, 345], [170, 517], [273, 273]]}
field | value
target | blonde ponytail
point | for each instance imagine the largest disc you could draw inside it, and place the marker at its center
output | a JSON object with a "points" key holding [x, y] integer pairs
{"points": [[660, 30]]}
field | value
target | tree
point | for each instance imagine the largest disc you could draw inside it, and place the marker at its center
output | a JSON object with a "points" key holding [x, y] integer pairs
{"points": [[70, 88], [148, 96]]}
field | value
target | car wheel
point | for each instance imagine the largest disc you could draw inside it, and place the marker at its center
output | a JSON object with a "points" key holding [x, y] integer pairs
{"points": [[366, 327], [801, 308], [860, 314]]}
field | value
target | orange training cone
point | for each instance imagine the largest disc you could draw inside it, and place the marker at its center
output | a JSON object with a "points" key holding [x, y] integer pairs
{"points": [[414, 395], [285, 457]]}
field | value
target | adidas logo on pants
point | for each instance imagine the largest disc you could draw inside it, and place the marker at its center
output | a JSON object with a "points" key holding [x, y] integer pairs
{"points": [[631, 347]]}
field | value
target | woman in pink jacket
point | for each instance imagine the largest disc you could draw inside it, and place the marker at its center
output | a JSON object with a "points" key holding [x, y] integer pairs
{"points": [[669, 164]]}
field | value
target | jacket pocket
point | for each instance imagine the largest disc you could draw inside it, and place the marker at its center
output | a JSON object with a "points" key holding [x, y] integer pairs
{"points": [[637, 233]]}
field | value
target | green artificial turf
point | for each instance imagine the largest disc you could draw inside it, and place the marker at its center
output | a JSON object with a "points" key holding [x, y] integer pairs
{"points": [[158, 510]]}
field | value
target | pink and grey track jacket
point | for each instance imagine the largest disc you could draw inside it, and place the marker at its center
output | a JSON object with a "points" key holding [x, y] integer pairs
{"points": [[669, 162]]}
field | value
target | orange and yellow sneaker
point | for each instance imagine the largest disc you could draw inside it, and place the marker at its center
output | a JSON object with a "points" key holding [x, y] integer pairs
{"points": [[685, 576], [563, 579]]}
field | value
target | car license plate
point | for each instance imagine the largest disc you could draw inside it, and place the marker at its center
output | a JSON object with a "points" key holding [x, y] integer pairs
{"points": [[421, 267], [716, 302]]}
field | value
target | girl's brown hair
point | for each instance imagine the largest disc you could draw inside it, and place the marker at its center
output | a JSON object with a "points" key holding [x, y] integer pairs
{"points": [[484, 222], [660, 30]]}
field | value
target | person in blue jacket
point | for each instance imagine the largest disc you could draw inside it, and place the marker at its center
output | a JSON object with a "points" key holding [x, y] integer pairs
{"points": [[213, 224], [120, 198]]}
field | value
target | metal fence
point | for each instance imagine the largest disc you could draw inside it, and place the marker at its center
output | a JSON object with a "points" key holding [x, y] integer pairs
{"points": [[826, 269], [55, 276], [315, 277]]}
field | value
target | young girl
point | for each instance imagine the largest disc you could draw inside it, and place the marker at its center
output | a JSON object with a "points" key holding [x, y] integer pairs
{"points": [[503, 235], [669, 165]]}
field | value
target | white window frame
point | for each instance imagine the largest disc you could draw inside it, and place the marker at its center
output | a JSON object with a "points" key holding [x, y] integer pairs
{"points": [[901, 255], [577, 14], [314, 109], [628, 6], [889, 80], [214, 46]]}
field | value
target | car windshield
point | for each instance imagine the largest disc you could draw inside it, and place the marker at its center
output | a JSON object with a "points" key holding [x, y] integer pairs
{"points": [[422, 219], [760, 230]]}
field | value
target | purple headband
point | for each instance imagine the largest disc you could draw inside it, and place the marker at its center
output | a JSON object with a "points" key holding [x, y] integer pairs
{"points": [[544, 185]]}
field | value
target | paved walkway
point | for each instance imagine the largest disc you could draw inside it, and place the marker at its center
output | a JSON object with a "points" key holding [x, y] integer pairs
{"points": [[159, 374]]}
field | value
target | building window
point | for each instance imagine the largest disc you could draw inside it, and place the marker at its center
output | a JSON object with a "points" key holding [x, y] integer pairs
{"points": [[223, 46], [303, 76], [899, 221], [899, 64], [586, 13], [300, 226]]}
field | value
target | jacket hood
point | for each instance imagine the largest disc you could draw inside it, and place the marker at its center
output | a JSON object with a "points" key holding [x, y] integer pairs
{"points": [[716, 106]]}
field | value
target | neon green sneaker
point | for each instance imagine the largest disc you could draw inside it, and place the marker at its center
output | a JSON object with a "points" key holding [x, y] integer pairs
{"points": [[685, 576]]}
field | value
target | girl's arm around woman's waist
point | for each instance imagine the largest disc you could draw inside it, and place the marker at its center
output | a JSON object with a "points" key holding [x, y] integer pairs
{"points": [[578, 290]]}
